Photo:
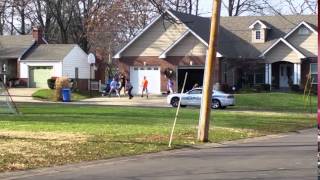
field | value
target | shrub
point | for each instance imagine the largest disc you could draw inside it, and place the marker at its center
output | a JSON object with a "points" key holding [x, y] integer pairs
{"points": [[295, 88], [51, 83]]}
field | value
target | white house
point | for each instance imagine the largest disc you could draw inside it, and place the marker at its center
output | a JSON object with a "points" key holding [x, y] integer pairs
{"points": [[54, 60], [30, 61]]}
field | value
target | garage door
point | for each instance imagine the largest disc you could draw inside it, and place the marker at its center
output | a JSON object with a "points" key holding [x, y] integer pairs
{"points": [[153, 76], [39, 76]]}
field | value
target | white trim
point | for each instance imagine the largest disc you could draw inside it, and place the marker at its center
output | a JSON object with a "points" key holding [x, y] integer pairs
{"points": [[263, 26], [118, 55], [285, 42], [297, 27], [195, 34], [163, 55]]}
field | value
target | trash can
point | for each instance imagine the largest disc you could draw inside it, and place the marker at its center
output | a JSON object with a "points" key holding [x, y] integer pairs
{"points": [[66, 94]]}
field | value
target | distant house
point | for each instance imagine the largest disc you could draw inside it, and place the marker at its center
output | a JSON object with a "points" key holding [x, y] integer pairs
{"points": [[32, 61], [275, 50]]}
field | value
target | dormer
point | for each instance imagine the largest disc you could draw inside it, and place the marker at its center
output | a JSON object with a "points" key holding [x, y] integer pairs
{"points": [[259, 31]]}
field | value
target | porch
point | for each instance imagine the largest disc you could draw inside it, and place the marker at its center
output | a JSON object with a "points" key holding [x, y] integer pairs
{"points": [[283, 75]]}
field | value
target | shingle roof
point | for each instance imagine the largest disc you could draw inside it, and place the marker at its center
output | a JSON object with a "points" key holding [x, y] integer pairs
{"points": [[13, 47], [49, 52], [235, 35]]}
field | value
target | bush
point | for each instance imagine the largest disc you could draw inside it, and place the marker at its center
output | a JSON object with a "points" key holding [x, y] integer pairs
{"points": [[51, 83], [295, 88]]}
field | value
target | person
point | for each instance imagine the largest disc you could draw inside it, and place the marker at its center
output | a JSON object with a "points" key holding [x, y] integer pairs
{"points": [[196, 85], [122, 83], [129, 88], [170, 86], [144, 86], [114, 87]]}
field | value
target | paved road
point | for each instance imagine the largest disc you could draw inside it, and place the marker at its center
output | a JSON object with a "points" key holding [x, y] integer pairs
{"points": [[288, 157]]}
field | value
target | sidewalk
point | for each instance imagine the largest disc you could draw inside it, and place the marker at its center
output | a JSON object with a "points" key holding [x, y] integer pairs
{"points": [[287, 157]]}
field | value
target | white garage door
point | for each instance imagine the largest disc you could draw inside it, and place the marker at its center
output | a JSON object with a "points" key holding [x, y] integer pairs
{"points": [[153, 77], [39, 75]]}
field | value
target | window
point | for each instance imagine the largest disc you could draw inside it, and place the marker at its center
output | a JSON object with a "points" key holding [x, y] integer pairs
{"points": [[195, 91], [303, 31], [76, 73], [258, 35], [314, 72]]}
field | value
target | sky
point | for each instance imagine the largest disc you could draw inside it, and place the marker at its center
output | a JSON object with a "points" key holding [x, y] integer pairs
{"points": [[206, 6]]}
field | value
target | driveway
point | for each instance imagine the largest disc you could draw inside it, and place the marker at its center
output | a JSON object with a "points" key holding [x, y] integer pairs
{"points": [[23, 94], [286, 157], [152, 101]]}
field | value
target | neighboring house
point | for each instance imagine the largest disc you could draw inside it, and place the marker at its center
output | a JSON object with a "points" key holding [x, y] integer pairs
{"points": [[275, 50], [34, 61]]}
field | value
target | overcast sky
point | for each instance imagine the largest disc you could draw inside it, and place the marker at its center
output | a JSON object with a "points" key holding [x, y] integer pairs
{"points": [[206, 6]]}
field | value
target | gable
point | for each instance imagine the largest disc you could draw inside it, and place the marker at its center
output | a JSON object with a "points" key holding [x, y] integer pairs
{"points": [[305, 43], [282, 52], [189, 46], [155, 39]]}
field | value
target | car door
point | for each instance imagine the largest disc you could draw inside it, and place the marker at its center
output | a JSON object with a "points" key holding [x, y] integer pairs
{"points": [[194, 97]]}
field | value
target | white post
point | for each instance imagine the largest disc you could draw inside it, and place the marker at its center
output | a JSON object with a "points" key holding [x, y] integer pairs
{"points": [[268, 74], [299, 74], [296, 74]]}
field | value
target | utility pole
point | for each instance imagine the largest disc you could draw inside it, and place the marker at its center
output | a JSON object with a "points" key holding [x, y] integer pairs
{"points": [[204, 120]]}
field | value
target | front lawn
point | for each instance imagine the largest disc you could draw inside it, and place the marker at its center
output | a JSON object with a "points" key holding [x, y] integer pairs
{"points": [[48, 95], [56, 134]]}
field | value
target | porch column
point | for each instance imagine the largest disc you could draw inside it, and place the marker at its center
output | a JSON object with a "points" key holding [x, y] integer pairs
{"points": [[296, 74], [268, 74]]}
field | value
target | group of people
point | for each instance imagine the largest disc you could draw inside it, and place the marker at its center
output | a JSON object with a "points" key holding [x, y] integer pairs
{"points": [[117, 84]]}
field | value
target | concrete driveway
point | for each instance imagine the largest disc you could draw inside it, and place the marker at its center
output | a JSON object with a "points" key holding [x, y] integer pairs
{"points": [[152, 101], [23, 94], [286, 157]]}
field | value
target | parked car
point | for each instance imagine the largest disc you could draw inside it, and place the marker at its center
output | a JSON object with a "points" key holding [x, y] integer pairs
{"points": [[193, 98]]}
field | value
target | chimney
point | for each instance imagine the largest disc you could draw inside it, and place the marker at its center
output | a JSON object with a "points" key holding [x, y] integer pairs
{"points": [[37, 35]]}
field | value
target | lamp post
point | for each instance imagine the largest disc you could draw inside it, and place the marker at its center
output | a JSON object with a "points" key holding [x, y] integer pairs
{"points": [[91, 61]]}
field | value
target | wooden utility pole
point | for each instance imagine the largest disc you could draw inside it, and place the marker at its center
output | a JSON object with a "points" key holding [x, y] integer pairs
{"points": [[204, 120]]}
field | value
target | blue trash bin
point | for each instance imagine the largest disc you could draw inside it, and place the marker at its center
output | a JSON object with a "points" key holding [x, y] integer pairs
{"points": [[66, 94]]}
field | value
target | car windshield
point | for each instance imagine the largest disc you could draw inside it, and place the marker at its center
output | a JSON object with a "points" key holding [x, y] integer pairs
{"points": [[195, 91]]}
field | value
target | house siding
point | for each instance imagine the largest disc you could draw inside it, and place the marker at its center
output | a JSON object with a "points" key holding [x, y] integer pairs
{"points": [[24, 68], [307, 44], [281, 52], [189, 46], [77, 58], [156, 39]]}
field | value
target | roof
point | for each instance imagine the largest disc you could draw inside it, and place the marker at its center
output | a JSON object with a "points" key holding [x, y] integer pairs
{"points": [[13, 47], [300, 54], [49, 52], [235, 36]]}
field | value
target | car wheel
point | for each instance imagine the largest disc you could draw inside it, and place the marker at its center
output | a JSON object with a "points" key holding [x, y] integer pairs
{"points": [[215, 104], [175, 102]]}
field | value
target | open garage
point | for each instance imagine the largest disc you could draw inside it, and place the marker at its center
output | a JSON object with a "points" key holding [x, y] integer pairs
{"points": [[195, 76]]}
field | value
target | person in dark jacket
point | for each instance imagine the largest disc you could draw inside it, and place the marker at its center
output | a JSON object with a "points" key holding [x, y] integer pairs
{"points": [[129, 88]]}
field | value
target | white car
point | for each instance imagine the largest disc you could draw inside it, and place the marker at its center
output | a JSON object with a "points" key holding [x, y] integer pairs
{"points": [[194, 96]]}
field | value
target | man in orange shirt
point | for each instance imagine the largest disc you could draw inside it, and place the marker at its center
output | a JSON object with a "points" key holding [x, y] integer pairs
{"points": [[144, 86]]}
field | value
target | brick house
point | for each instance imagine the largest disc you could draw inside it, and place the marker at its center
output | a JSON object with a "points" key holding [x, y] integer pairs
{"points": [[275, 50]]}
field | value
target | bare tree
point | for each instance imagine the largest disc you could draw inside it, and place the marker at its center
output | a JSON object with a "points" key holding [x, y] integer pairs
{"points": [[293, 7], [239, 7]]}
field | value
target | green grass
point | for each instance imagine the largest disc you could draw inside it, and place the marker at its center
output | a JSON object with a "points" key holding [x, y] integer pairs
{"points": [[292, 102], [48, 95], [54, 134]]}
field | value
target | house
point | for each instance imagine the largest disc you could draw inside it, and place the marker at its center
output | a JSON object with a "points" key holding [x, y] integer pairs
{"points": [[275, 50], [33, 61]]}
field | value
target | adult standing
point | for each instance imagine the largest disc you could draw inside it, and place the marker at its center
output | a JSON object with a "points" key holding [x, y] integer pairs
{"points": [[129, 88], [122, 83], [170, 85], [144, 85], [114, 87]]}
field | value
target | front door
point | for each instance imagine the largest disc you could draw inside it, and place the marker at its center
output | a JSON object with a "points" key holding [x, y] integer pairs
{"points": [[285, 75]]}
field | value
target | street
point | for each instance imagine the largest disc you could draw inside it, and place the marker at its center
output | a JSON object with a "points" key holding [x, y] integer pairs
{"points": [[286, 156]]}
